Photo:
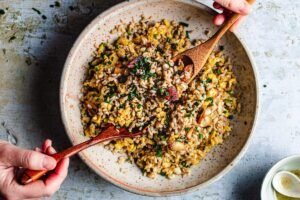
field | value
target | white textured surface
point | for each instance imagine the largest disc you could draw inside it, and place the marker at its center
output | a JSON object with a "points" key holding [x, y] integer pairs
{"points": [[29, 93]]}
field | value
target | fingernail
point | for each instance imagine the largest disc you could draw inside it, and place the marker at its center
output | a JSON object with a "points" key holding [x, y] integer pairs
{"points": [[49, 162], [52, 150], [245, 9]]}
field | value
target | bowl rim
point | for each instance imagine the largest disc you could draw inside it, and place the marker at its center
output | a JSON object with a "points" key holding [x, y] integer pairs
{"points": [[216, 177], [280, 163]]}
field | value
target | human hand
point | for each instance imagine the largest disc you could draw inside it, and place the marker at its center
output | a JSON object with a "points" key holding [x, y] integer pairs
{"points": [[227, 7], [12, 157]]}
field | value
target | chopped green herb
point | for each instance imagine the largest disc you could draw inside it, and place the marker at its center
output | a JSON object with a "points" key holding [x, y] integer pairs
{"points": [[188, 114], [184, 24], [155, 36], [208, 80], [174, 46], [160, 50], [181, 139], [158, 151], [142, 68], [228, 100], [187, 129], [200, 136], [221, 47], [217, 71], [129, 32], [139, 106], [211, 100], [163, 173], [184, 164], [230, 117], [163, 92], [134, 93], [37, 11], [122, 79], [187, 33], [211, 132], [168, 39]]}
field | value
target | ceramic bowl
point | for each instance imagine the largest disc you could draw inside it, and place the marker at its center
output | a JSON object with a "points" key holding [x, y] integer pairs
{"points": [[286, 164], [220, 160]]}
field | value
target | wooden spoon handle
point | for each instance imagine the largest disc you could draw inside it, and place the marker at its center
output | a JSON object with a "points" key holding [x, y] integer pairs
{"points": [[228, 23], [29, 176]]}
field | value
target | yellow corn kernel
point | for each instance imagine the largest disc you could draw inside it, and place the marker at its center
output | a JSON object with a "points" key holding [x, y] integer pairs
{"points": [[123, 41], [121, 53], [166, 22], [101, 48], [97, 119]]}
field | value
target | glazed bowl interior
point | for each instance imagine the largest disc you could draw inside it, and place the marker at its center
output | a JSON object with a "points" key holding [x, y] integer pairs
{"points": [[287, 164], [220, 160]]}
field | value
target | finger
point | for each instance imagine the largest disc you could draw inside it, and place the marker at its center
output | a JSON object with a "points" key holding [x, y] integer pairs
{"points": [[18, 157], [33, 199], [238, 6], [47, 187], [237, 23], [37, 149], [55, 179], [217, 6], [47, 143], [219, 19], [36, 189], [50, 151]]}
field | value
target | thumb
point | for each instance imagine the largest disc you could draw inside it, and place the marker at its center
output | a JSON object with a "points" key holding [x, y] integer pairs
{"points": [[28, 159], [237, 6]]}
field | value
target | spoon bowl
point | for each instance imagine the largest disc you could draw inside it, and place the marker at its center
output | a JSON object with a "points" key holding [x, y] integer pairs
{"points": [[287, 184]]}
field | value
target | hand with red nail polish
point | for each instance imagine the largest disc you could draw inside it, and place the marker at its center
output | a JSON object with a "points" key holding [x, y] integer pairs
{"points": [[227, 7], [12, 158]]}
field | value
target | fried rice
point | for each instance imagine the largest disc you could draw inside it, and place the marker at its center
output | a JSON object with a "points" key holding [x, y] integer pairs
{"points": [[133, 81]]}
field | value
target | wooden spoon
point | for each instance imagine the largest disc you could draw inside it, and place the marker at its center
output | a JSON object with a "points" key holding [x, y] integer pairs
{"points": [[111, 133], [196, 57]]}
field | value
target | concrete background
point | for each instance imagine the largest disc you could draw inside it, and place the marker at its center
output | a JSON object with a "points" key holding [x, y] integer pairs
{"points": [[33, 48]]}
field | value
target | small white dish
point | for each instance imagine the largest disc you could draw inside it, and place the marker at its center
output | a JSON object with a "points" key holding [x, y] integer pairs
{"points": [[286, 164]]}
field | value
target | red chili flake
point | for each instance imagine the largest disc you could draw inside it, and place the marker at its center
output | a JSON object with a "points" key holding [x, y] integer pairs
{"points": [[173, 94], [132, 63]]}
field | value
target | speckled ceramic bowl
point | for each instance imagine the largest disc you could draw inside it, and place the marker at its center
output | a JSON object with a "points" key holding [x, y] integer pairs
{"points": [[220, 160]]}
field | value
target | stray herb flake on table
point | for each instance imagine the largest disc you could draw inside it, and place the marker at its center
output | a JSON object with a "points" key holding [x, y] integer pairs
{"points": [[2, 12], [57, 4], [12, 38], [37, 11]]}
